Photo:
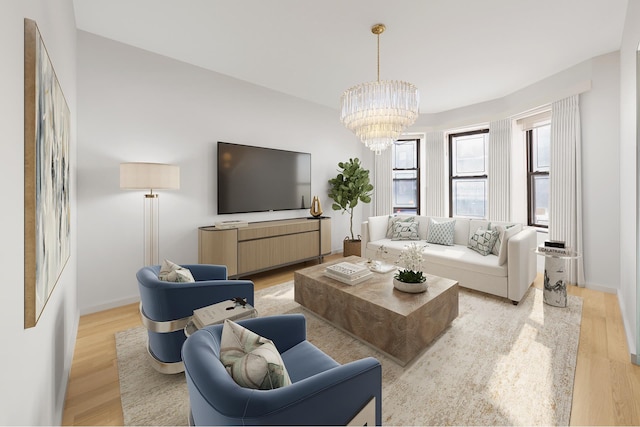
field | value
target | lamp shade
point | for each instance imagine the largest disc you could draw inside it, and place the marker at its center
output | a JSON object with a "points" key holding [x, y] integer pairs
{"points": [[149, 176]]}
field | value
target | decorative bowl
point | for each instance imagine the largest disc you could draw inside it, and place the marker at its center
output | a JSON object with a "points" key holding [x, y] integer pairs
{"points": [[413, 288]]}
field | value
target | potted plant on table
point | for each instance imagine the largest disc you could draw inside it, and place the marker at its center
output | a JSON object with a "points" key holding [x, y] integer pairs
{"points": [[349, 187], [410, 277]]}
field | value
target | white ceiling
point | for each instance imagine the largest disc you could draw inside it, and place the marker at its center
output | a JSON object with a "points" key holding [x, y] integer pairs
{"points": [[458, 52]]}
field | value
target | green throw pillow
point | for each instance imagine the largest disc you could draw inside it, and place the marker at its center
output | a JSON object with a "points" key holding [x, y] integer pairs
{"points": [[251, 360], [172, 272]]}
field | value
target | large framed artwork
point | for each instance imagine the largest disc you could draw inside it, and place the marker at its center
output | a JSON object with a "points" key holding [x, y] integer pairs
{"points": [[46, 176]]}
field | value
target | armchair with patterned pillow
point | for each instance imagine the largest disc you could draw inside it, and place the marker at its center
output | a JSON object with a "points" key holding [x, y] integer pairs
{"points": [[167, 306], [315, 390]]}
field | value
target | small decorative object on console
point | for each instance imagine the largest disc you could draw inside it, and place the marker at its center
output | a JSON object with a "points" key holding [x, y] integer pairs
{"points": [[316, 209]]}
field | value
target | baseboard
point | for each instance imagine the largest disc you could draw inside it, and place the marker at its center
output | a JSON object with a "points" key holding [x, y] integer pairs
{"points": [[62, 393], [635, 359], [109, 305]]}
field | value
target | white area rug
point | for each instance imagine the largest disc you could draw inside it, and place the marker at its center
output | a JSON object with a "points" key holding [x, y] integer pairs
{"points": [[497, 364]]}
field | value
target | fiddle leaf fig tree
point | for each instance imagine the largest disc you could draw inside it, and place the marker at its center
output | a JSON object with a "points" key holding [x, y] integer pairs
{"points": [[350, 186]]}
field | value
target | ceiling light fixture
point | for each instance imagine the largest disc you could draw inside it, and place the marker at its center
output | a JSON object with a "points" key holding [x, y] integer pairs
{"points": [[378, 112]]}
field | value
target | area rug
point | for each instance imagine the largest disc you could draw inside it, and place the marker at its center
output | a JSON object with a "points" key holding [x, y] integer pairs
{"points": [[497, 364]]}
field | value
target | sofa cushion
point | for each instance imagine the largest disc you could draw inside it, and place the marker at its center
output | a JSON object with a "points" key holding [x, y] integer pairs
{"points": [[441, 232], [404, 230], [456, 256], [483, 241], [397, 218], [463, 258], [251, 360], [172, 272]]}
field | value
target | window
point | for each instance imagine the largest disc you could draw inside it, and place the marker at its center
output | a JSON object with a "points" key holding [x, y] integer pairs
{"points": [[405, 158], [468, 174], [538, 160]]}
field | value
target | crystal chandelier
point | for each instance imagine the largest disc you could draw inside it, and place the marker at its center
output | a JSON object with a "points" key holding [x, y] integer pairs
{"points": [[378, 112]]}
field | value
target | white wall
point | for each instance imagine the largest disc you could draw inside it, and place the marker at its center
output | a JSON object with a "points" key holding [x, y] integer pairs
{"points": [[138, 106], [35, 362], [628, 177], [598, 79]]}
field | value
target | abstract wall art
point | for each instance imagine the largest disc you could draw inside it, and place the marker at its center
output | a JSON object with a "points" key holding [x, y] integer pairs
{"points": [[47, 127]]}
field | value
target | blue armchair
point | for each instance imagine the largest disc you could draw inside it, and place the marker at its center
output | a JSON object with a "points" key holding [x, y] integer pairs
{"points": [[322, 392], [166, 307]]}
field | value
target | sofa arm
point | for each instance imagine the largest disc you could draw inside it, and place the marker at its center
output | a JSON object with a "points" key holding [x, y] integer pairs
{"points": [[364, 238], [332, 397], [169, 301], [202, 272], [521, 262], [377, 227]]}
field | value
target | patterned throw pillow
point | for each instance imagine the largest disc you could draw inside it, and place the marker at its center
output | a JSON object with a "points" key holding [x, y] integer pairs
{"points": [[251, 360], [394, 219], [483, 241], [441, 233], [500, 229], [172, 272], [405, 231]]}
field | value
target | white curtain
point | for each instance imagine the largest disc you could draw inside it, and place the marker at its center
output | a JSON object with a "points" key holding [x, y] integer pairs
{"points": [[565, 181], [499, 171], [436, 174], [383, 179]]}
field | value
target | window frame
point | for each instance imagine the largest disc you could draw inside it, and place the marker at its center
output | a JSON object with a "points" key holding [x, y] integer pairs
{"points": [[531, 175], [463, 177], [416, 169]]}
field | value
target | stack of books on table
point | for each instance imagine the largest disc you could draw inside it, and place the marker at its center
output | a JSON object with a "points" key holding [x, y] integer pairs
{"points": [[554, 247], [348, 273], [217, 313]]}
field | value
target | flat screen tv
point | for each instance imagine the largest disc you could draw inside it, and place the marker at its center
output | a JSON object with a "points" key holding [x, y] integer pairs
{"points": [[257, 179]]}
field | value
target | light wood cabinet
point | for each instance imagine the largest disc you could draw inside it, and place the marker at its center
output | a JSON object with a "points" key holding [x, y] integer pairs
{"points": [[264, 245]]}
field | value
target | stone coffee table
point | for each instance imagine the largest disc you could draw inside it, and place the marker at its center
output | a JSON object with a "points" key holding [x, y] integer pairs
{"points": [[397, 323]]}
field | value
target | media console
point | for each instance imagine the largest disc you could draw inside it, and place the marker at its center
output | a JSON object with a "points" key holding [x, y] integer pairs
{"points": [[265, 245]]}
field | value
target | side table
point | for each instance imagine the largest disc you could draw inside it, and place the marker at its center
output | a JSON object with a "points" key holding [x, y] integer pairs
{"points": [[555, 277], [218, 313]]}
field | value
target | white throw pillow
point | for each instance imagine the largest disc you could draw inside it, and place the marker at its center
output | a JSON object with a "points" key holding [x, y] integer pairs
{"points": [[483, 241], [172, 272], [441, 233], [405, 231], [251, 360], [475, 224], [503, 241], [396, 218]]}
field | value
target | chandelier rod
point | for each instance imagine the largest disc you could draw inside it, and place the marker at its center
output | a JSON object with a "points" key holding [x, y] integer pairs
{"points": [[377, 30], [378, 57]]}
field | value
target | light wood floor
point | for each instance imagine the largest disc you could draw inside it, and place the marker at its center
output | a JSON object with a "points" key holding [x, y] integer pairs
{"points": [[606, 389]]}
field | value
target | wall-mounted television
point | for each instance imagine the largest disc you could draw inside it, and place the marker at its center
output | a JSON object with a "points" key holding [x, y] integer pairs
{"points": [[258, 179]]}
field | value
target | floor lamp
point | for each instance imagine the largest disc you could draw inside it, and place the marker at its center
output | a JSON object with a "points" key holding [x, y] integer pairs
{"points": [[150, 176]]}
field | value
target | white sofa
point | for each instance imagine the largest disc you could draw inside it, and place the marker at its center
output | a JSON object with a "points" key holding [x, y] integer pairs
{"points": [[472, 270]]}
